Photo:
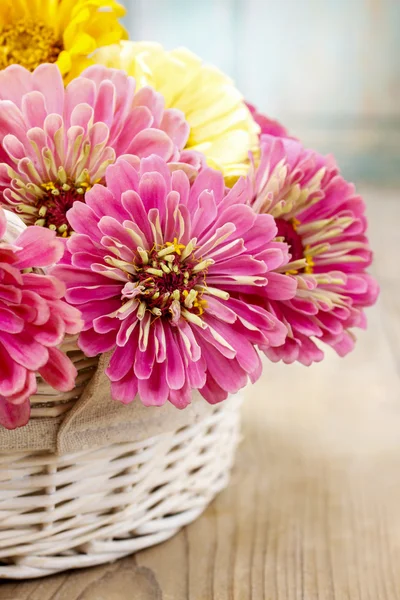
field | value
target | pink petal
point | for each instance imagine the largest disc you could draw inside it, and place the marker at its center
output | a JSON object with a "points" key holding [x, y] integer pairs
{"points": [[196, 373], [15, 81], [34, 109], [104, 291], [280, 287], [121, 362], [82, 220], [93, 344], [13, 375], [176, 127], [152, 191], [175, 372], [3, 223], [14, 415], [26, 352], [121, 176], [226, 372], [213, 392], [126, 389], [154, 390], [9, 321], [181, 398], [151, 141], [40, 248], [29, 388], [47, 79], [59, 372], [53, 332]]}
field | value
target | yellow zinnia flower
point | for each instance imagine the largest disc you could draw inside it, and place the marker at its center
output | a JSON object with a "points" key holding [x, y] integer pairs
{"points": [[61, 31], [221, 126]]}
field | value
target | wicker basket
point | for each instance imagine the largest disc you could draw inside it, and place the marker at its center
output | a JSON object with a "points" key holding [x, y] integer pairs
{"points": [[73, 510]]}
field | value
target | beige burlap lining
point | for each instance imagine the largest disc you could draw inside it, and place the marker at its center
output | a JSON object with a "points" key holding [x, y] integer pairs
{"points": [[96, 420]]}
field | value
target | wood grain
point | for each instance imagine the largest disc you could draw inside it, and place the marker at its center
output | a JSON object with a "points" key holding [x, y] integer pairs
{"points": [[312, 511]]}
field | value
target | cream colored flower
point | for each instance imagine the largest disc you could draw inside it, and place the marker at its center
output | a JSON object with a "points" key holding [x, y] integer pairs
{"points": [[221, 125]]}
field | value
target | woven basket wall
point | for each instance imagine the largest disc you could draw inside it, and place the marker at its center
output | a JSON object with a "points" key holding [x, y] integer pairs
{"points": [[62, 511]]}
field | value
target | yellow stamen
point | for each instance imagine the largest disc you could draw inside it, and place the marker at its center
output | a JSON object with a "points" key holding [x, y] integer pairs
{"points": [[28, 42], [49, 186], [309, 260], [310, 265], [177, 247], [200, 304], [295, 223]]}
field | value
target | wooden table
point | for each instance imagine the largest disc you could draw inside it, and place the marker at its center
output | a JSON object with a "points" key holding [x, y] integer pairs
{"points": [[313, 509]]}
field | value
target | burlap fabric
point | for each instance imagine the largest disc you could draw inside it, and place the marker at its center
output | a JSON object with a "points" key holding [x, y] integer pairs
{"points": [[96, 420]]}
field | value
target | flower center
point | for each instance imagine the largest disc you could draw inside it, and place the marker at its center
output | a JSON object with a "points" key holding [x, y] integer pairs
{"points": [[53, 206], [28, 43], [288, 231], [167, 281]]}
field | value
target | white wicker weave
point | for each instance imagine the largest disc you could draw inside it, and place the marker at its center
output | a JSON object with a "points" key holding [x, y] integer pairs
{"points": [[92, 507]]}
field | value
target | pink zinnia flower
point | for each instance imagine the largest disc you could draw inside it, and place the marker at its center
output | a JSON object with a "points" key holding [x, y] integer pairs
{"points": [[33, 321], [165, 272], [267, 125], [322, 219], [55, 143]]}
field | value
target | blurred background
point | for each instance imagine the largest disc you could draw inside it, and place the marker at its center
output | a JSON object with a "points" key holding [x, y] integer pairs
{"points": [[330, 70]]}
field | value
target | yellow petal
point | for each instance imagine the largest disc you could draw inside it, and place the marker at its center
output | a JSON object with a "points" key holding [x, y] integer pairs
{"points": [[64, 62], [81, 44]]}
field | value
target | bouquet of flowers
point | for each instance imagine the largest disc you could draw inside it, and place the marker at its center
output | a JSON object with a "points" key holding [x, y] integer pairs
{"points": [[149, 210]]}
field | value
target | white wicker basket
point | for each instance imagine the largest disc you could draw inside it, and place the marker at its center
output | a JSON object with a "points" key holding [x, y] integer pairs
{"points": [[97, 505]]}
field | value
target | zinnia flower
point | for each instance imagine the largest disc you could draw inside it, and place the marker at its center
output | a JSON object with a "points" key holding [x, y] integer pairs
{"points": [[33, 321], [165, 278], [55, 143], [64, 32], [221, 125], [322, 219]]}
